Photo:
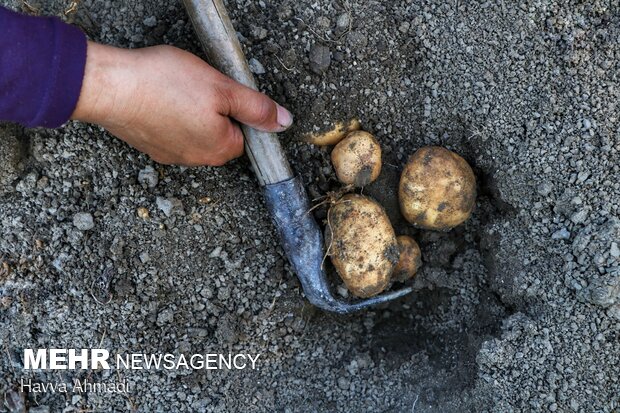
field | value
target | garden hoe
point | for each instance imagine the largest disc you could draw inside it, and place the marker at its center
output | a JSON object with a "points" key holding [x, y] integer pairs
{"points": [[284, 193]]}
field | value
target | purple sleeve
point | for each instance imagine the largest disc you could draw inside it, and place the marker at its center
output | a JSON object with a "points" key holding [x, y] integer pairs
{"points": [[42, 64]]}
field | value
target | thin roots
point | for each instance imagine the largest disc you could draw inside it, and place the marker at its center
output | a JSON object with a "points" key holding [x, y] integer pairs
{"points": [[331, 242], [331, 238]]}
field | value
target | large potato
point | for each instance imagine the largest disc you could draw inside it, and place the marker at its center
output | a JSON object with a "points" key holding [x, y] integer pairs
{"points": [[437, 189], [333, 135], [410, 259], [357, 159], [362, 244]]}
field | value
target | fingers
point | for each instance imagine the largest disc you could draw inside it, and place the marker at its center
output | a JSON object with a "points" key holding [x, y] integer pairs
{"points": [[233, 145], [254, 108], [229, 146]]}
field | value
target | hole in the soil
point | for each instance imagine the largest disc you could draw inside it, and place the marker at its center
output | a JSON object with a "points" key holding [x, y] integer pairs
{"points": [[452, 351], [488, 188]]}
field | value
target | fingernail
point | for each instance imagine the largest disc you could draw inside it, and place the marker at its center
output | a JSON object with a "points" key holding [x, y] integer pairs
{"points": [[284, 117]]}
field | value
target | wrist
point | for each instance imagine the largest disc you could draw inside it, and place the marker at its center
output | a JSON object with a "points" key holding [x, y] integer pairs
{"points": [[103, 80]]}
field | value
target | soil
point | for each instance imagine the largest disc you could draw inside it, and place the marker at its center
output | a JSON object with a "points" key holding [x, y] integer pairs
{"points": [[516, 310]]}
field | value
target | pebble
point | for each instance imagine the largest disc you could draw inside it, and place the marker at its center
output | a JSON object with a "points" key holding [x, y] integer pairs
{"points": [[320, 58], [614, 250], [256, 67], [144, 257], [343, 383], [39, 409], [343, 21], [586, 124], [579, 216], [149, 177], [562, 233], [544, 189], [165, 317], [167, 205], [150, 21], [83, 221]]}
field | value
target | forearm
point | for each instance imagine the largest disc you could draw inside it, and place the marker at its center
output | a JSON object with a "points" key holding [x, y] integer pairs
{"points": [[41, 69]]}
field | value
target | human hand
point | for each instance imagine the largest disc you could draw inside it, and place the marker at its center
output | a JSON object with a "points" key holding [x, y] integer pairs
{"points": [[172, 105]]}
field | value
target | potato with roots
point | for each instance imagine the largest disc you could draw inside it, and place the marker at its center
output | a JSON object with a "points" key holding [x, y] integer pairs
{"points": [[357, 159], [437, 189], [362, 244], [410, 259]]}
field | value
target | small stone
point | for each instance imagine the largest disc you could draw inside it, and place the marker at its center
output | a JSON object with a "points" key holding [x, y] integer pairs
{"points": [[39, 409], [258, 33], [320, 58], [603, 292], [167, 205], [544, 188], [150, 21], [586, 124], [357, 40], [144, 257], [614, 312], [256, 67], [343, 22], [148, 176], [323, 23], [342, 291], [83, 221], [404, 27], [561, 234], [165, 317], [614, 250], [216, 252], [59, 261], [28, 183], [343, 383], [582, 176], [579, 216]]}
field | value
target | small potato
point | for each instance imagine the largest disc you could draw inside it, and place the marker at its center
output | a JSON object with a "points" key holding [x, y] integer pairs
{"points": [[334, 135], [362, 244], [437, 189], [357, 159], [410, 259]]}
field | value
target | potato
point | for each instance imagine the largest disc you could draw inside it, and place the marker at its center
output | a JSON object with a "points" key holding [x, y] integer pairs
{"points": [[362, 244], [437, 189], [410, 259], [357, 159], [334, 135]]}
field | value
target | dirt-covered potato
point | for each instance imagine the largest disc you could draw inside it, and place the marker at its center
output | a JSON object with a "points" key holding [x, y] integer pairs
{"points": [[437, 189], [362, 244], [410, 259], [334, 135], [357, 159]]}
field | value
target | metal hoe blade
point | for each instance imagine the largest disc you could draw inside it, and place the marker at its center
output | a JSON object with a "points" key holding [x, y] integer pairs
{"points": [[284, 193]]}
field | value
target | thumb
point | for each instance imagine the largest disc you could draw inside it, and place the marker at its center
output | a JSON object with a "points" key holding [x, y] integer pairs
{"points": [[255, 109]]}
